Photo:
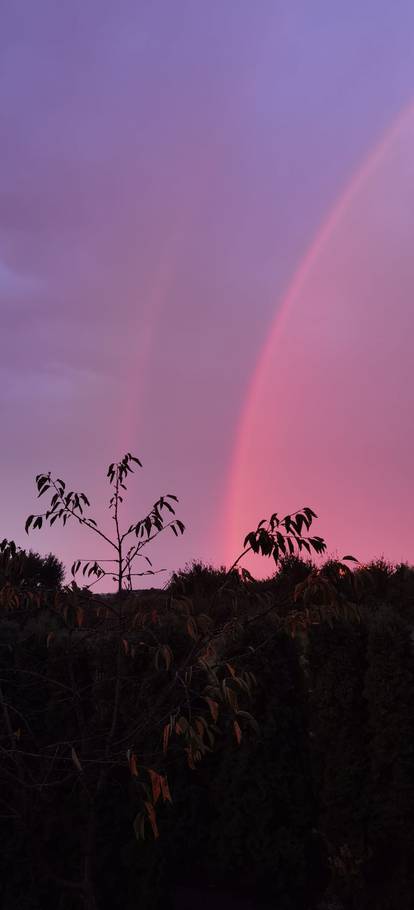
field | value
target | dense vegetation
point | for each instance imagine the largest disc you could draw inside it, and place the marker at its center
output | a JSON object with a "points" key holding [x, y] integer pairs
{"points": [[220, 736]]}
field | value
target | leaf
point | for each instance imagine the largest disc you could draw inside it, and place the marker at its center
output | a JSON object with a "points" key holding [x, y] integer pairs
{"points": [[230, 696], [28, 523], [350, 558], [287, 523], [165, 790], [281, 541], [152, 817], [213, 705], [237, 731], [166, 738], [299, 522], [181, 725], [76, 761], [167, 655], [80, 616], [190, 758], [43, 489], [133, 765], [192, 628]]}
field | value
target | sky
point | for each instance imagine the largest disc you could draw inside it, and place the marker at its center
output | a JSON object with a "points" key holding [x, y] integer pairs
{"points": [[205, 259]]}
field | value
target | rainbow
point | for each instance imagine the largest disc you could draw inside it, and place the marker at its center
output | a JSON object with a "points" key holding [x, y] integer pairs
{"points": [[370, 164]]}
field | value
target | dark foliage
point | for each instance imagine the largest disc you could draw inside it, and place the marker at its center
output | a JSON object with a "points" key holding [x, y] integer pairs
{"points": [[315, 803], [26, 569]]}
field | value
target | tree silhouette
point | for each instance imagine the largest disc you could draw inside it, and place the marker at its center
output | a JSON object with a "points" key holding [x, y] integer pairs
{"points": [[66, 505]]}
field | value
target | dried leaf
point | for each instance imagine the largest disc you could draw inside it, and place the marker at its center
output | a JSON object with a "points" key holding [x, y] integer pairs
{"points": [[165, 790], [152, 817], [237, 731], [76, 761], [133, 765], [190, 758], [192, 628], [80, 616], [231, 697], [155, 784], [213, 705], [167, 655]]}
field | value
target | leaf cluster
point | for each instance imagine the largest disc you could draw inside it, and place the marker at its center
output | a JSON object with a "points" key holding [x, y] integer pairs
{"points": [[278, 537]]}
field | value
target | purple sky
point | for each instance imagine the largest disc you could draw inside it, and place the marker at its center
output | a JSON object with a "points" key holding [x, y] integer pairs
{"points": [[165, 168]]}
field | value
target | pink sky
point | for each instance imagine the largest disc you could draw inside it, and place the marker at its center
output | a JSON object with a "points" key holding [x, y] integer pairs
{"points": [[166, 166]]}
